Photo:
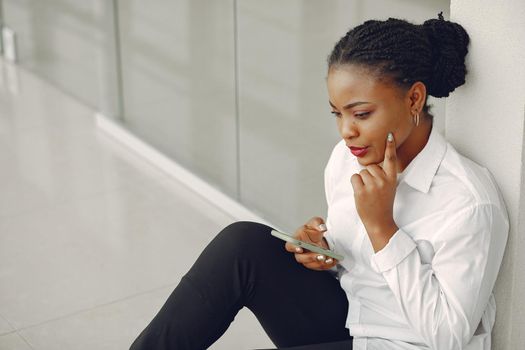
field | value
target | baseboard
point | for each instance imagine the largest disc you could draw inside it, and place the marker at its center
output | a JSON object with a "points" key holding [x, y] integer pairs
{"points": [[222, 201]]}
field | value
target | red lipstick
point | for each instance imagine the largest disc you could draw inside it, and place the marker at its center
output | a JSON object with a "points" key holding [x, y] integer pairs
{"points": [[358, 151]]}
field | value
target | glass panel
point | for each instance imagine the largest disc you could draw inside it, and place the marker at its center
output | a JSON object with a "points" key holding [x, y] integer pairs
{"points": [[179, 71], [286, 130], [178, 78], [1, 25], [70, 43]]}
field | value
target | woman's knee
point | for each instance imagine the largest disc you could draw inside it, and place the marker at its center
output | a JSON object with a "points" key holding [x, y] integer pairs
{"points": [[245, 236], [245, 231]]}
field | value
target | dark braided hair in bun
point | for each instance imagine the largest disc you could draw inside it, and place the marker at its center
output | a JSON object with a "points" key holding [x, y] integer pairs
{"points": [[432, 53], [449, 42]]}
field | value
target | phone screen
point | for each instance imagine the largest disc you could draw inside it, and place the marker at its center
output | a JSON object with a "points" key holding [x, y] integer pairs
{"points": [[311, 247]]}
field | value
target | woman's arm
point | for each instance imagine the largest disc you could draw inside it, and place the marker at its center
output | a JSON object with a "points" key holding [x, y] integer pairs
{"points": [[443, 301]]}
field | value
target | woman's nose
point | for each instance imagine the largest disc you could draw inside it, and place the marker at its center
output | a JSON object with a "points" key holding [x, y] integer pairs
{"points": [[348, 128]]}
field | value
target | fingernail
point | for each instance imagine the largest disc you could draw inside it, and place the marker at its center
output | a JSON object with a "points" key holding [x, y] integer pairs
{"points": [[298, 250], [329, 260], [320, 257], [322, 227], [390, 137]]}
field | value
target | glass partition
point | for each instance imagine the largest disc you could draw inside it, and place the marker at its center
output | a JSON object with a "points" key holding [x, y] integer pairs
{"points": [[233, 90], [71, 44], [178, 79], [286, 129]]}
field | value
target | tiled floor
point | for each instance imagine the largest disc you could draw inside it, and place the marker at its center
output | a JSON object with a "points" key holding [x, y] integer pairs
{"points": [[92, 238]]}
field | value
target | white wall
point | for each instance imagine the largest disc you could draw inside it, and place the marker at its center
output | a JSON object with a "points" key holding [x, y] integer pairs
{"points": [[485, 121]]}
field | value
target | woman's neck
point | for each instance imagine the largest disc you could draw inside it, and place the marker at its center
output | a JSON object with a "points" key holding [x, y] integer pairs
{"points": [[414, 143]]}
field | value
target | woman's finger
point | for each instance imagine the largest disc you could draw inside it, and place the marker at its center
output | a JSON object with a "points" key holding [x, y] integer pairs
{"points": [[321, 266], [390, 161], [316, 223], [376, 171], [357, 182], [315, 259], [309, 257], [292, 248], [368, 179], [313, 235], [305, 258]]}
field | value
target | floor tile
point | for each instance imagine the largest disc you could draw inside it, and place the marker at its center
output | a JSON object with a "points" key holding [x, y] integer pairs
{"points": [[115, 326], [90, 233], [5, 327], [13, 341], [37, 178], [69, 267], [36, 103], [245, 332]]}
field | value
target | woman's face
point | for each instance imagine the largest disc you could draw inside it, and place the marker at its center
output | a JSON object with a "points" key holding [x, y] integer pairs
{"points": [[367, 110]]}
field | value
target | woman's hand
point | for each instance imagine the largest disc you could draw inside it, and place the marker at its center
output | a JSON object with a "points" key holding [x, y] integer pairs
{"points": [[374, 193], [312, 232]]}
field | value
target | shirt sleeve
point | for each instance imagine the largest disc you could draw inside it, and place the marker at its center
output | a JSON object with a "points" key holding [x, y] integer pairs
{"points": [[443, 301], [328, 195]]}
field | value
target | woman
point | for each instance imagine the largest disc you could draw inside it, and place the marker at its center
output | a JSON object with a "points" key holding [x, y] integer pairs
{"points": [[421, 227]]}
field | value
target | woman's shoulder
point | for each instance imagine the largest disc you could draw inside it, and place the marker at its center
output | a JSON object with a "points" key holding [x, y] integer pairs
{"points": [[468, 179]]}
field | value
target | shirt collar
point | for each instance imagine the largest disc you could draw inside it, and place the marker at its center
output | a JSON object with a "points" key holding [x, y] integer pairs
{"points": [[422, 169]]}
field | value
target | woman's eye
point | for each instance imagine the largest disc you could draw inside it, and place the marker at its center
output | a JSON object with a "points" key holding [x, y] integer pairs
{"points": [[362, 115], [336, 114]]}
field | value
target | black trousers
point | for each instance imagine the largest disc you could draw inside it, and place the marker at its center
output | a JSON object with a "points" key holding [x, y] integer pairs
{"points": [[245, 266]]}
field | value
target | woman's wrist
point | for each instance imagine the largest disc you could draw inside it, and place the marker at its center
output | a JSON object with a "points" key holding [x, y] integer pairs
{"points": [[380, 235]]}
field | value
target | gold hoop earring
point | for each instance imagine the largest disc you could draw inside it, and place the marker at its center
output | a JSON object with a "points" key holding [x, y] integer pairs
{"points": [[416, 118]]}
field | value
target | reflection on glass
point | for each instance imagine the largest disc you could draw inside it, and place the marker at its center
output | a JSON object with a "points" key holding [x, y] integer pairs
{"points": [[232, 90], [69, 43], [178, 82], [286, 131]]}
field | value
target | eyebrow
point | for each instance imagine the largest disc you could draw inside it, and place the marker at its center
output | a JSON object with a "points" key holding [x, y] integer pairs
{"points": [[350, 105]]}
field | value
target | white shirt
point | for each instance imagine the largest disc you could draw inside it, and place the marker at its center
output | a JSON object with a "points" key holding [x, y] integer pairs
{"points": [[431, 286]]}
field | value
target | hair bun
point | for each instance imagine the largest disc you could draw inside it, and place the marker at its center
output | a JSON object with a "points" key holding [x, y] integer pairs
{"points": [[449, 42]]}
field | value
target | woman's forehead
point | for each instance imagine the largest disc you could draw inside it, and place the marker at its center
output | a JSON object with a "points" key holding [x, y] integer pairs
{"points": [[356, 83]]}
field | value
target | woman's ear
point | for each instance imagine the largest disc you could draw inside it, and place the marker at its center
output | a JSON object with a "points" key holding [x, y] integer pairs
{"points": [[417, 95]]}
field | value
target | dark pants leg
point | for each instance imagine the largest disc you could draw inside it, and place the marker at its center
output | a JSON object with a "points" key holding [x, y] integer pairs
{"points": [[244, 265]]}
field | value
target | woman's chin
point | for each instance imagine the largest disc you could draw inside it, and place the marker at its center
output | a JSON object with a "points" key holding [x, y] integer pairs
{"points": [[366, 161]]}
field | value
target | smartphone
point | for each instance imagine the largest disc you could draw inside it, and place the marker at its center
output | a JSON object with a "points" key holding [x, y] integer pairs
{"points": [[313, 248]]}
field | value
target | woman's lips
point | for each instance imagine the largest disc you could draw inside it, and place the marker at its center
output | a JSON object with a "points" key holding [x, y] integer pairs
{"points": [[358, 151]]}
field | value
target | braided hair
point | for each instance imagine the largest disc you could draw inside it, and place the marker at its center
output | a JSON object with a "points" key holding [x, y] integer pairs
{"points": [[432, 53]]}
